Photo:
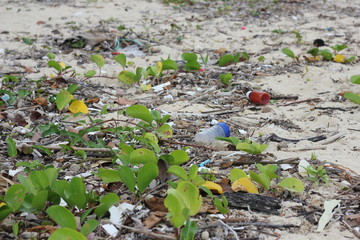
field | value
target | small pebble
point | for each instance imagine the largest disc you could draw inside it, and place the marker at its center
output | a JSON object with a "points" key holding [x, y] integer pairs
{"points": [[205, 235]]}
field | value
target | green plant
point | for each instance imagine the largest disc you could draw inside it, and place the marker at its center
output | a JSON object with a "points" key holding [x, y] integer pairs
{"points": [[205, 59], [42, 191], [245, 145], [191, 63], [288, 52], [354, 97], [298, 37], [228, 59], [317, 174], [29, 42], [265, 175], [225, 78]]}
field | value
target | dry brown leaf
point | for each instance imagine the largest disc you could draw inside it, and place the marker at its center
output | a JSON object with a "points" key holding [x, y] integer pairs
{"points": [[20, 120], [34, 115], [220, 51], [156, 204], [42, 101], [92, 100], [151, 221], [42, 229]]}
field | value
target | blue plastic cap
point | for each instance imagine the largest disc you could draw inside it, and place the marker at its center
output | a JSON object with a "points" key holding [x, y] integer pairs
{"points": [[226, 128]]}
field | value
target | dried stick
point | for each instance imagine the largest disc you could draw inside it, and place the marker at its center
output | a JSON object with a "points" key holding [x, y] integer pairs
{"points": [[302, 101], [148, 233], [230, 228]]}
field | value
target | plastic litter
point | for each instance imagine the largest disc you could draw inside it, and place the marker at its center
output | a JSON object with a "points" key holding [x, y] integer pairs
{"points": [[207, 136], [258, 97]]}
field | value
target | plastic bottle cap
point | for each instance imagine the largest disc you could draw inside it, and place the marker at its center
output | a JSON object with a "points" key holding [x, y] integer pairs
{"points": [[225, 128], [258, 97]]}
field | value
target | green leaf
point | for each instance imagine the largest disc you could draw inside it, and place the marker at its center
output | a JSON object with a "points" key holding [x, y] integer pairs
{"points": [[226, 59], [89, 226], [72, 88], [178, 171], [189, 57], [62, 99], [292, 184], [142, 155], [5, 210], [179, 157], [39, 200], [66, 234], [338, 47], [98, 60], [109, 175], [51, 55], [192, 66], [261, 178], [182, 202], [90, 73], [146, 174], [106, 202], [268, 169], [128, 177], [140, 112], [193, 170], [121, 58], [326, 54], [44, 149], [127, 77], [288, 52], [165, 131], [189, 230], [78, 192], [236, 173], [355, 79], [233, 140], [11, 147], [138, 74], [225, 78], [15, 196], [169, 64], [314, 51], [62, 216], [28, 41], [350, 59], [352, 97], [55, 65]]}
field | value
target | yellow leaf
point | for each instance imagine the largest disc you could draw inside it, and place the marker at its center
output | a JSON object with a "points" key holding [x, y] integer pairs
{"points": [[145, 87], [244, 184], [312, 59], [2, 204], [62, 65], [339, 58], [213, 186], [159, 67], [78, 106]]}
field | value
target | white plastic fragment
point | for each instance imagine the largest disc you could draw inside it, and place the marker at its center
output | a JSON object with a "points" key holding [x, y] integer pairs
{"points": [[12, 173], [110, 229], [160, 87], [116, 213], [285, 167], [327, 215], [303, 164]]}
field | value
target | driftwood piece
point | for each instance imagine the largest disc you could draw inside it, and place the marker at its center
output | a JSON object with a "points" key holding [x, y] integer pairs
{"points": [[255, 202]]}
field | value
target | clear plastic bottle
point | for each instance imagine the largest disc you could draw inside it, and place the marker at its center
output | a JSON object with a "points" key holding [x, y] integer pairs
{"points": [[208, 135]]}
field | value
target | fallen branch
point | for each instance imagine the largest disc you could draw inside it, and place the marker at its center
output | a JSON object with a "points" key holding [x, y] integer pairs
{"points": [[302, 101], [149, 233]]}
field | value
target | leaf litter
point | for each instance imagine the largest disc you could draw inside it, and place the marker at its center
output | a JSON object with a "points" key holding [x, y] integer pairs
{"points": [[194, 99]]}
